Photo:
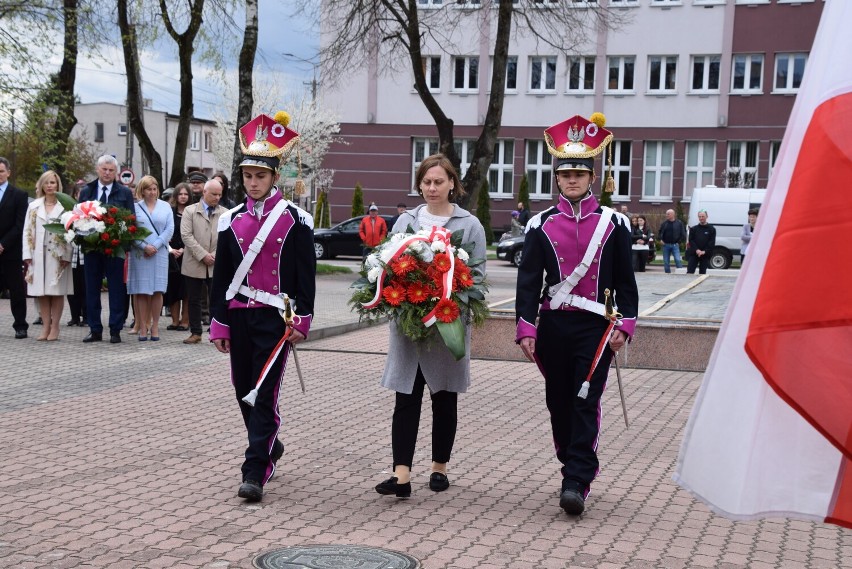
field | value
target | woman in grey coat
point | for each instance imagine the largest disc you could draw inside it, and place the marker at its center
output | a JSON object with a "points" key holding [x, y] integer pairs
{"points": [[411, 365]]}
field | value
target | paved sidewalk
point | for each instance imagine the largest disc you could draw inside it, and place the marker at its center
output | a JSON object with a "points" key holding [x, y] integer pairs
{"points": [[128, 455]]}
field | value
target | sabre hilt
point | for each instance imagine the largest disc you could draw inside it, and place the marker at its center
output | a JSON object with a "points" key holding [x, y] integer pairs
{"points": [[288, 311], [610, 313]]}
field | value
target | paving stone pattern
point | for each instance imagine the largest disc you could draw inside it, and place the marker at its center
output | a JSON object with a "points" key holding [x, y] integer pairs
{"points": [[128, 455]]}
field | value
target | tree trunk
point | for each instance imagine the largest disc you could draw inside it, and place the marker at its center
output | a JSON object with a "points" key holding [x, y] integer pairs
{"points": [[245, 100], [185, 42], [57, 146], [135, 109], [483, 153]]}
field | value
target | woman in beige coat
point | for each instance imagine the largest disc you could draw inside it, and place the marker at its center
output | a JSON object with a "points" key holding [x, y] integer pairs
{"points": [[47, 256]]}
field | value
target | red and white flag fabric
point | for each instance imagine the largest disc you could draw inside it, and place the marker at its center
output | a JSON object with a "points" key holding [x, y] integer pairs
{"points": [[771, 430]]}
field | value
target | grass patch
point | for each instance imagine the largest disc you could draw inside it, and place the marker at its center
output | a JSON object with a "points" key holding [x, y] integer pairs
{"points": [[326, 269]]}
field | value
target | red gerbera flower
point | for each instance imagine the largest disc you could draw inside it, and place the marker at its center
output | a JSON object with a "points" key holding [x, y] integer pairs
{"points": [[418, 292], [446, 310], [403, 265], [463, 278], [441, 262], [394, 295]]}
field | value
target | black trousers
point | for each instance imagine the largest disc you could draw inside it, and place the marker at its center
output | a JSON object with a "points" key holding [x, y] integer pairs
{"points": [[701, 262], [566, 345], [254, 334], [195, 291], [13, 276], [77, 301], [406, 420]]}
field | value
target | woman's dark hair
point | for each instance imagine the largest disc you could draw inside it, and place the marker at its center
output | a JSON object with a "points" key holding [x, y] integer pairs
{"points": [[643, 218], [174, 197], [443, 162], [224, 179], [753, 211]]}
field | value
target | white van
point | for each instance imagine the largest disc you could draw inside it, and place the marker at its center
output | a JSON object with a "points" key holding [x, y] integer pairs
{"points": [[727, 211]]}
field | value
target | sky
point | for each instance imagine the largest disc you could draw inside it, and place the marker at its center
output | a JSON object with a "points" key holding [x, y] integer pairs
{"points": [[279, 31]]}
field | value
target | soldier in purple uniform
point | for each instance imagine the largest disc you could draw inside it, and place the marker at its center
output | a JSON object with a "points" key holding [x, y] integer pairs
{"points": [[264, 260], [576, 255]]}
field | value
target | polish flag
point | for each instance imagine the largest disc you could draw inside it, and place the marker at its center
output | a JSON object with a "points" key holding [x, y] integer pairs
{"points": [[771, 430]]}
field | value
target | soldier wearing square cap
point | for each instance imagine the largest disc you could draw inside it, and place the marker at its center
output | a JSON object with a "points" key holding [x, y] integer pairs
{"points": [[580, 253], [265, 252]]}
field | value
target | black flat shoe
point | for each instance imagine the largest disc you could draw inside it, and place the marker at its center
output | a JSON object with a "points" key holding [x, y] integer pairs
{"points": [[572, 502], [251, 491], [74, 323], [390, 486], [172, 327], [438, 482], [93, 337]]}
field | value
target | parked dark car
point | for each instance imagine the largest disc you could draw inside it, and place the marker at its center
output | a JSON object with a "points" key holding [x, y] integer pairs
{"points": [[341, 239], [510, 248]]}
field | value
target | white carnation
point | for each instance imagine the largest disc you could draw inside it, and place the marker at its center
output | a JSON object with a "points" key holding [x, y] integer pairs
{"points": [[462, 254], [373, 274], [372, 261], [439, 246], [69, 236], [397, 237], [99, 226]]}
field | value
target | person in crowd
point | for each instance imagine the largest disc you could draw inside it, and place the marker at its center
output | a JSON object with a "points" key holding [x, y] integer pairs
{"points": [[523, 214], [247, 303], [149, 258], [748, 229], [372, 230], [672, 233], [226, 201], [643, 240], [107, 191], [77, 299], [410, 366], [580, 251], [13, 210], [516, 227], [196, 184], [198, 230], [400, 209], [176, 297], [47, 256], [699, 249]]}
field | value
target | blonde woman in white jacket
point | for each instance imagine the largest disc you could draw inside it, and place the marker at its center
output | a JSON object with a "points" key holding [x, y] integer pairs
{"points": [[47, 256]]}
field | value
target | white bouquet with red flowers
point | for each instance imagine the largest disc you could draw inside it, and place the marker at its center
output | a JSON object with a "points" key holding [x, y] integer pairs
{"points": [[424, 281], [95, 227]]}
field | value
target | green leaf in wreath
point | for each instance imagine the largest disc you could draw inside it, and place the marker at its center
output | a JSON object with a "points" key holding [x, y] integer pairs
{"points": [[67, 201], [453, 335], [56, 228]]}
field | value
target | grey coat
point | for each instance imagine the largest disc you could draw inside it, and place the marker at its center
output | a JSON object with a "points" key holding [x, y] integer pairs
{"points": [[441, 370]]}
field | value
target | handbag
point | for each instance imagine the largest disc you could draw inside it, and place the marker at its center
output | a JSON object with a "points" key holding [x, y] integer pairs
{"points": [[174, 267]]}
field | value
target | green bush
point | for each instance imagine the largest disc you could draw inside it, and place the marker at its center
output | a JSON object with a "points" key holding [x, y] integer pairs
{"points": [[483, 211], [358, 201]]}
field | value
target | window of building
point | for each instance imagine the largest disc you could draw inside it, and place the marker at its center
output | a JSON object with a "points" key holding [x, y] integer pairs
{"points": [[659, 156], [208, 141], [581, 74], [774, 149], [430, 3], [747, 76], [623, 3], [583, 3], [699, 165], [544, 3], [99, 132], [752, 2], [511, 73], [122, 129], [705, 74], [621, 168], [432, 71], [466, 73], [543, 74], [468, 3], [496, 3], [662, 73], [464, 150], [666, 2], [789, 68], [741, 170], [421, 148], [620, 73], [194, 140], [502, 170], [539, 168]]}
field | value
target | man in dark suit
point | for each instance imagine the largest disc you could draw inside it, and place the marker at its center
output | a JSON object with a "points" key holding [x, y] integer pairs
{"points": [[13, 209], [97, 265]]}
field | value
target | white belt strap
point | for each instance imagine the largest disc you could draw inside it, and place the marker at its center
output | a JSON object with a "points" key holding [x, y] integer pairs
{"points": [[262, 296], [560, 292], [583, 304], [253, 250]]}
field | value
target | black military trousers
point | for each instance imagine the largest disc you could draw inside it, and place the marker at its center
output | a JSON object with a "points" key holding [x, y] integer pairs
{"points": [[254, 335], [565, 348]]}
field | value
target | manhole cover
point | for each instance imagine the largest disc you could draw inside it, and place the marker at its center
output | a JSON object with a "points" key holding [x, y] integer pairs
{"points": [[334, 557]]}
